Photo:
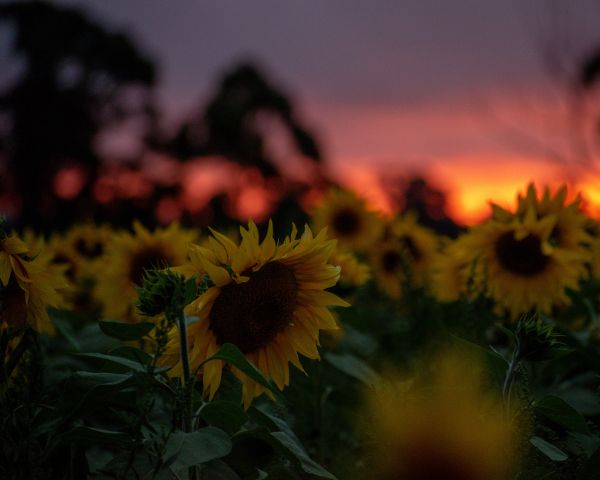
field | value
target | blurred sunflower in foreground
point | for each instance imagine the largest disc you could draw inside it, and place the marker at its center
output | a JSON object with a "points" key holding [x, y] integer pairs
{"points": [[348, 220], [443, 425], [128, 256], [268, 299], [28, 286]]}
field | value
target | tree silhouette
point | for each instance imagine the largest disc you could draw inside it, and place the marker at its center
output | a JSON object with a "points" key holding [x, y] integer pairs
{"points": [[228, 125], [77, 82], [417, 195], [81, 80]]}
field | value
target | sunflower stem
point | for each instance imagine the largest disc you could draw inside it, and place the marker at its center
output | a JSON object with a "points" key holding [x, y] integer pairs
{"points": [[510, 374], [188, 382]]}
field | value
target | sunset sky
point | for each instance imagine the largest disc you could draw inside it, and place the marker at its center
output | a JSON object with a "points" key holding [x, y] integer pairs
{"points": [[470, 92]]}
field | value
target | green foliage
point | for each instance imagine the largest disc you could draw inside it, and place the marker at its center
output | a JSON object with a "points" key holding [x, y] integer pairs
{"points": [[232, 354], [560, 412], [96, 402], [551, 451], [165, 291], [184, 450], [125, 331]]}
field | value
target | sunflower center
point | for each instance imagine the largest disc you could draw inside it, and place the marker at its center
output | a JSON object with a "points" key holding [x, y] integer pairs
{"points": [[409, 244], [391, 261], [64, 259], [147, 259], [345, 222], [556, 236], [251, 314], [523, 257], [89, 249], [13, 309]]}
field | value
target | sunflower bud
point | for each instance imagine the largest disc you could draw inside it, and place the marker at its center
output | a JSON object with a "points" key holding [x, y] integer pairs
{"points": [[536, 341], [165, 291]]}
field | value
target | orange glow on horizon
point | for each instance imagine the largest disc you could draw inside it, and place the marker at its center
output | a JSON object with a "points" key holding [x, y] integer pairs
{"points": [[471, 183], [590, 192], [481, 148]]}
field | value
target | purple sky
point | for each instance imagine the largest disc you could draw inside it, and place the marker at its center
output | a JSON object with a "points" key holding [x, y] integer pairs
{"points": [[393, 53], [384, 83]]}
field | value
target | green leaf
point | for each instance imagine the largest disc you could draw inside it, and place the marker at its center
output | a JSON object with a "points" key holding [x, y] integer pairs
{"points": [[353, 366], [560, 412], [94, 436], [132, 353], [130, 364], [287, 443], [228, 416], [509, 333], [187, 449], [102, 379], [583, 400], [551, 451], [101, 385], [125, 331], [265, 416], [230, 388], [232, 354], [299, 455], [65, 329]]}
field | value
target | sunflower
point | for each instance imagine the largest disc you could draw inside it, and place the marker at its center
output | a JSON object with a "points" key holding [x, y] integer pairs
{"points": [[523, 269], [354, 273], [88, 242], [27, 288], [389, 264], [348, 220], [404, 253], [453, 271], [569, 230], [57, 252], [419, 246], [128, 256], [442, 424], [268, 299]]}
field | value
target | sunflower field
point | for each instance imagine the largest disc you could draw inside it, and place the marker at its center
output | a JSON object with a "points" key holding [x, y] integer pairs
{"points": [[359, 346]]}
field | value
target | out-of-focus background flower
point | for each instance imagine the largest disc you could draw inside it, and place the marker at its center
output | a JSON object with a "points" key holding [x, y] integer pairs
{"points": [[208, 111]]}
